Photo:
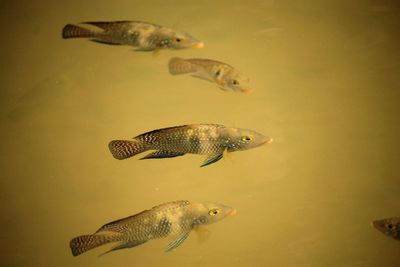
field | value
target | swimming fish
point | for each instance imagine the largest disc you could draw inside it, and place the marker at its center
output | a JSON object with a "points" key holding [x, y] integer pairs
{"points": [[224, 75], [145, 36], [173, 220], [389, 227], [212, 140]]}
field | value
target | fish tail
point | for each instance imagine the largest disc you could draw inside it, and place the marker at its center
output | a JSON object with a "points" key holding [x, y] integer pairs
{"points": [[180, 66], [84, 243], [123, 149], [73, 31]]}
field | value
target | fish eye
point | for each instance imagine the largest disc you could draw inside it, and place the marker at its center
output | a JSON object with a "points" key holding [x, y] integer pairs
{"points": [[246, 138], [235, 82], [214, 212], [390, 226], [218, 73], [178, 40]]}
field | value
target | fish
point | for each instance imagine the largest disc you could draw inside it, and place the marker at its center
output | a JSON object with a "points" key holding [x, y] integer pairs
{"points": [[212, 140], [141, 35], [389, 227], [225, 76], [173, 220]]}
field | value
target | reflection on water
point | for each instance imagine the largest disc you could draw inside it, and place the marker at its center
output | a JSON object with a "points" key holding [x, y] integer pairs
{"points": [[325, 79]]}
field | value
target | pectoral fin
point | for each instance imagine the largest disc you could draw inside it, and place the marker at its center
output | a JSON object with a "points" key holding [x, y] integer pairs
{"points": [[159, 154], [223, 88], [203, 233], [212, 159], [179, 240]]}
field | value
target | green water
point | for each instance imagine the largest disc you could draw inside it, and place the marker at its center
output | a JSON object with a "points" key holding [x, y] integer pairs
{"points": [[326, 88]]}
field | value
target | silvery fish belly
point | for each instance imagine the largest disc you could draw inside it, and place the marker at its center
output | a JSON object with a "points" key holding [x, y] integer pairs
{"points": [[211, 140], [145, 36], [224, 75], [389, 227], [173, 220]]}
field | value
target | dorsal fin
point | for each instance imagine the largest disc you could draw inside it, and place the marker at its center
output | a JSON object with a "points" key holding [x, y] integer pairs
{"points": [[119, 225], [169, 205], [179, 127], [106, 24]]}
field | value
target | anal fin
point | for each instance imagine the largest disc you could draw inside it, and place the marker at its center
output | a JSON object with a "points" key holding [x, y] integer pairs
{"points": [[103, 42], [202, 76], [160, 154], [212, 159], [129, 244], [144, 50]]}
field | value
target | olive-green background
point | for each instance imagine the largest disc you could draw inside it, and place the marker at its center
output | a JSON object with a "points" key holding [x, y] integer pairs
{"points": [[326, 88]]}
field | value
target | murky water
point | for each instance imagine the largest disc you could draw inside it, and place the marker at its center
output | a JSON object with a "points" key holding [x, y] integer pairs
{"points": [[326, 80]]}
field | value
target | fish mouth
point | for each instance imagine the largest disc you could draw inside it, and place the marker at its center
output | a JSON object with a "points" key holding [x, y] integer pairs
{"points": [[376, 224], [267, 140], [198, 45], [246, 90], [232, 212]]}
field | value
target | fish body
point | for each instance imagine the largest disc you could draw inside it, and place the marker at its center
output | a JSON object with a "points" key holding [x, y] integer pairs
{"points": [[173, 220], [389, 227], [211, 140], [142, 35], [224, 75]]}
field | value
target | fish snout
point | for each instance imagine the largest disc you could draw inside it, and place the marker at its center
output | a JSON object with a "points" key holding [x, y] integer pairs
{"points": [[232, 212], [267, 140], [246, 90], [198, 45]]}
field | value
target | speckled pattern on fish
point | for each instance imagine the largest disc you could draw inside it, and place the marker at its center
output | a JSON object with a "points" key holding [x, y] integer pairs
{"points": [[173, 220], [224, 75], [145, 36], [211, 140]]}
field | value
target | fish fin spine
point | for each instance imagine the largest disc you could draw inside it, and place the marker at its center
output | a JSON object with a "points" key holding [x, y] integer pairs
{"points": [[123, 149], [180, 66], [84, 243]]}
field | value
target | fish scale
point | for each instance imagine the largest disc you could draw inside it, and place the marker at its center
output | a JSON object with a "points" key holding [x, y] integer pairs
{"points": [[173, 220], [224, 75], [145, 36], [211, 140]]}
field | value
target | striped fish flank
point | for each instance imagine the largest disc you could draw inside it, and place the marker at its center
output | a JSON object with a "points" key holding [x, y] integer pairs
{"points": [[73, 31], [180, 66]]}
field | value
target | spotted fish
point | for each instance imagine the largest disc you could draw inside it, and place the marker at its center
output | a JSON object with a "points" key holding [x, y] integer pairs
{"points": [[211, 140], [224, 75], [389, 227], [142, 35], [173, 220]]}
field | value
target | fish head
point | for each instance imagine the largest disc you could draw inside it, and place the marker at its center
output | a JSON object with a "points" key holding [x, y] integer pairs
{"points": [[389, 227], [212, 212], [243, 139], [237, 82], [182, 40]]}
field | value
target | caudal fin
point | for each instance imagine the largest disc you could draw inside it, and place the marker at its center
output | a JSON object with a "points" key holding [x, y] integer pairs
{"points": [[123, 149], [73, 31], [179, 66], [84, 243]]}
